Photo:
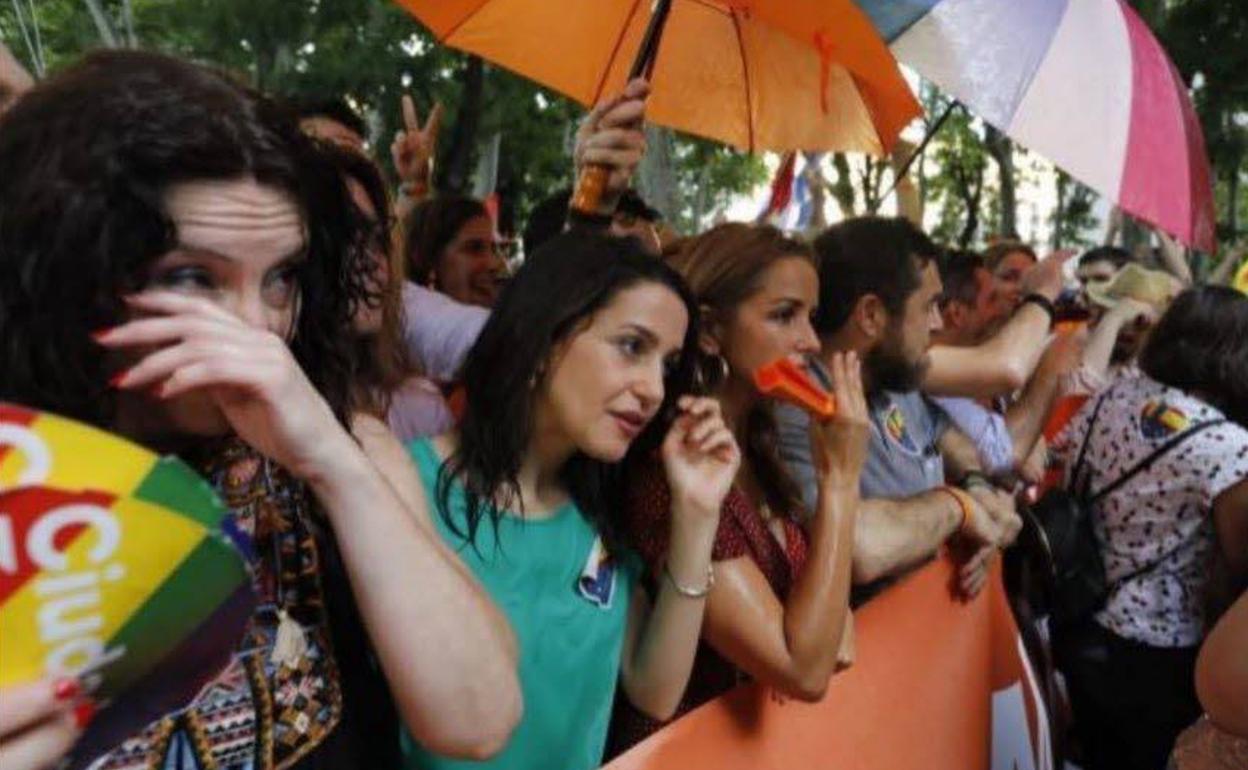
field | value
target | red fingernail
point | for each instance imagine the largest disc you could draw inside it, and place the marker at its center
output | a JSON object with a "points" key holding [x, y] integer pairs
{"points": [[83, 713], [115, 380], [99, 334], [66, 689]]}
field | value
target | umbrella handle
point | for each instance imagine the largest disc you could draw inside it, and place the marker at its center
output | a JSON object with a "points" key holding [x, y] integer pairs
{"points": [[590, 186], [592, 182]]}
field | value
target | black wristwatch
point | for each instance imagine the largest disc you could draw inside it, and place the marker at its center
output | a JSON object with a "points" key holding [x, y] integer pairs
{"points": [[1042, 302]]}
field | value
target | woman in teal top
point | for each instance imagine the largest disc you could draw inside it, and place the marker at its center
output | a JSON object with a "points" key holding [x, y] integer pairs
{"points": [[580, 363]]}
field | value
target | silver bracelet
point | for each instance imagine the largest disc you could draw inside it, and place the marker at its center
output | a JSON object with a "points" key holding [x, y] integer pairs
{"points": [[690, 593]]}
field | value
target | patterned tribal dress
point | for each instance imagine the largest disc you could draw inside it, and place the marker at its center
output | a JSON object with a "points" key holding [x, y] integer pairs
{"points": [[274, 702]]}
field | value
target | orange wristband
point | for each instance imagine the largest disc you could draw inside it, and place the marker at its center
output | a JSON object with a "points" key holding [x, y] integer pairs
{"points": [[964, 502]]}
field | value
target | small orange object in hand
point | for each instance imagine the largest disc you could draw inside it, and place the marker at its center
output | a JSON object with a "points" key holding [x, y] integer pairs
{"points": [[789, 382], [590, 187]]}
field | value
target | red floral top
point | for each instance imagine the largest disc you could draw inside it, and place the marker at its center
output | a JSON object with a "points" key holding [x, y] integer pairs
{"points": [[742, 533]]}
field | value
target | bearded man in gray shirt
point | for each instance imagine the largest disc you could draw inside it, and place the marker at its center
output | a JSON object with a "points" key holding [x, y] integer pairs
{"points": [[879, 288]]}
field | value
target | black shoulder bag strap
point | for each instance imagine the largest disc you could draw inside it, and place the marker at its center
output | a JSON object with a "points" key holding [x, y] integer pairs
{"points": [[1143, 465], [1087, 439], [1157, 453]]}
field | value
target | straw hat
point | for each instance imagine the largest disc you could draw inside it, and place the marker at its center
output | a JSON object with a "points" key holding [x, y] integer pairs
{"points": [[1152, 287]]}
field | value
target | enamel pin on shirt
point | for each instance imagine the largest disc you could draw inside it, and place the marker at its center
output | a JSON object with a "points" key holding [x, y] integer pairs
{"points": [[597, 581]]}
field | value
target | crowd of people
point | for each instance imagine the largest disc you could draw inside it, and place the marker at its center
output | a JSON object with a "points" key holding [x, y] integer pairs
{"points": [[522, 517]]}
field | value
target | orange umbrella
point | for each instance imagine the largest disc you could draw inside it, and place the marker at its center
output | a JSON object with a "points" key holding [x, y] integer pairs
{"points": [[755, 74]]}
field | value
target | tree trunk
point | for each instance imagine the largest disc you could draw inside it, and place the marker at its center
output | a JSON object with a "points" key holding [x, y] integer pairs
{"points": [[275, 61], [971, 226], [1059, 213], [1001, 149], [265, 60], [457, 163], [872, 182], [843, 187], [656, 179], [818, 186], [970, 189], [701, 202], [508, 191]]}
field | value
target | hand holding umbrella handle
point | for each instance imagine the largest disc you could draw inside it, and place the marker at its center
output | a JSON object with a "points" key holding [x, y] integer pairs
{"points": [[593, 179], [609, 146]]}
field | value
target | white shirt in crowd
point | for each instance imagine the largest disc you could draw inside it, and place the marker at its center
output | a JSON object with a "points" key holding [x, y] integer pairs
{"points": [[438, 331]]}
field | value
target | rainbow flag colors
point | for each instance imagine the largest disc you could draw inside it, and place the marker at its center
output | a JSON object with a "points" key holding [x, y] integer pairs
{"points": [[114, 563]]}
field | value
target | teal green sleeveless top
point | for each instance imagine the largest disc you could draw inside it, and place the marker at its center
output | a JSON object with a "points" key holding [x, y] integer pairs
{"points": [[567, 602]]}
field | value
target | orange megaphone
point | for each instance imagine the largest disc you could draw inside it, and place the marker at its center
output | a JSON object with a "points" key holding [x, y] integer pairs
{"points": [[787, 381]]}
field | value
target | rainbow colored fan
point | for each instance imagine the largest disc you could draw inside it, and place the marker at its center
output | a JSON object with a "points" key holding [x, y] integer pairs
{"points": [[116, 565]]}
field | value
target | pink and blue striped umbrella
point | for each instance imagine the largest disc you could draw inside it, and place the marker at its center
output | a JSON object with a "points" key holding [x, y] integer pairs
{"points": [[1082, 82]]}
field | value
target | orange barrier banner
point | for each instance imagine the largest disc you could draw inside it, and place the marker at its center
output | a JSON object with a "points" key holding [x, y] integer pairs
{"points": [[938, 684]]}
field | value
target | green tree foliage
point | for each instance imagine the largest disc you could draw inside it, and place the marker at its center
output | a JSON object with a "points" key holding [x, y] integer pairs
{"points": [[1072, 217], [371, 52], [961, 162], [708, 175], [1208, 41]]}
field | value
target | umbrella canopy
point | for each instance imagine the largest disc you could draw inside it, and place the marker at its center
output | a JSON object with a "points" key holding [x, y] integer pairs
{"points": [[1082, 82], [755, 74]]}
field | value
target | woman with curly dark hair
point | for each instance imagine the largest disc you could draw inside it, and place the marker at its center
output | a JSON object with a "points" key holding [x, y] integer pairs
{"points": [[389, 384], [177, 265]]}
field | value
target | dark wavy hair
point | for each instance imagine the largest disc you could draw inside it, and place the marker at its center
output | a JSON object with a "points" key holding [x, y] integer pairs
{"points": [[85, 161], [431, 227], [383, 363], [1200, 346], [553, 296]]}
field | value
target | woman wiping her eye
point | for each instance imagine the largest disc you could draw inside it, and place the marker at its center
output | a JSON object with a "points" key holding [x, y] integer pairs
{"points": [[178, 265]]}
